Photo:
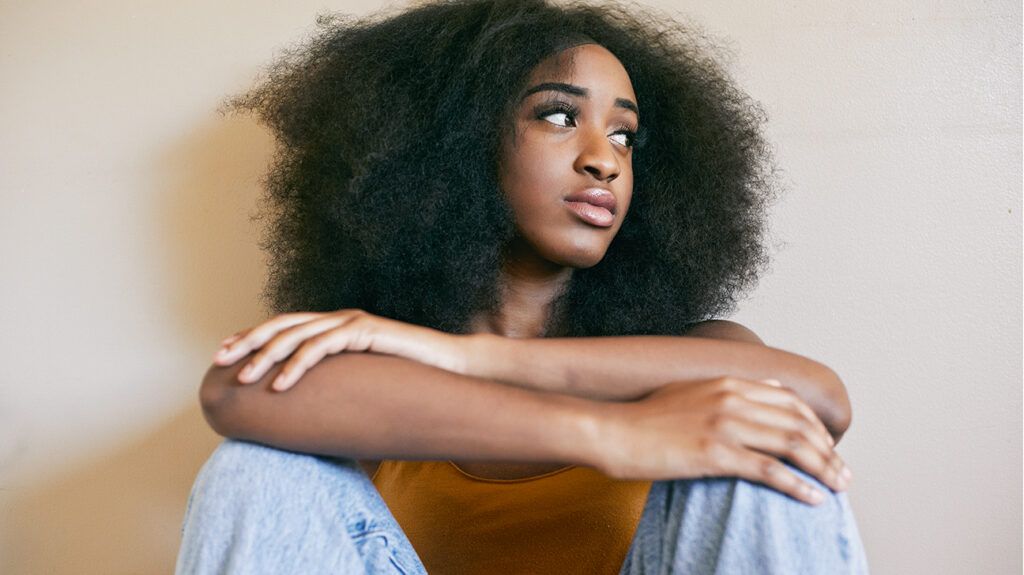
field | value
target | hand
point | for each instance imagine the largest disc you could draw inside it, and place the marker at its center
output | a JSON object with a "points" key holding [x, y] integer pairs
{"points": [[720, 427], [309, 337]]}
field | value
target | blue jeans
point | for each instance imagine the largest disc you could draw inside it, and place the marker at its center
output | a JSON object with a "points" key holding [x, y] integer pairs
{"points": [[256, 509]]}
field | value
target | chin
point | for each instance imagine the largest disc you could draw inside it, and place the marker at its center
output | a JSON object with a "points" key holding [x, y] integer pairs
{"points": [[580, 256]]}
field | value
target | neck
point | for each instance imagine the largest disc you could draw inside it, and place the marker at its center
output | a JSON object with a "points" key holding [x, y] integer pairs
{"points": [[528, 286]]}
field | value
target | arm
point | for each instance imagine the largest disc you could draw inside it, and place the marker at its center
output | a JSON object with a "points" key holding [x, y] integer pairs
{"points": [[626, 368], [370, 406]]}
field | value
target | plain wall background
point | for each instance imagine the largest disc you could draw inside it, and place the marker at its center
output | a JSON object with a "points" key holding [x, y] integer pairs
{"points": [[127, 253]]}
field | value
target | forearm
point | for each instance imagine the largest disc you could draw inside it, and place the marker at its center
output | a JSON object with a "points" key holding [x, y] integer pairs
{"points": [[626, 368], [370, 406]]}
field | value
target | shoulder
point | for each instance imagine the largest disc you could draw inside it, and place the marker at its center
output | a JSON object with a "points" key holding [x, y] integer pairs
{"points": [[723, 329]]}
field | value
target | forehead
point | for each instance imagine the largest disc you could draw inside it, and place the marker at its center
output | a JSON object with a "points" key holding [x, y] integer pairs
{"points": [[590, 66]]}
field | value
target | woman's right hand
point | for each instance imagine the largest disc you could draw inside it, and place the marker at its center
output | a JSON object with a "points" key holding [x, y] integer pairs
{"points": [[721, 427]]}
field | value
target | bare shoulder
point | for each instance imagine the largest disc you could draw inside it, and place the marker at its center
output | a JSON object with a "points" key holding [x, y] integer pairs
{"points": [[723, 329]]}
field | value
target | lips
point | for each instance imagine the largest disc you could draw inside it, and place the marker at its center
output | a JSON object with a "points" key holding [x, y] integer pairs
{"points": [[599, 197], [595, 206]]}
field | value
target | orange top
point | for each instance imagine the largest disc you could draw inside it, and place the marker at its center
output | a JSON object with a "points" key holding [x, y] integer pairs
{"points": [[571, 520]]}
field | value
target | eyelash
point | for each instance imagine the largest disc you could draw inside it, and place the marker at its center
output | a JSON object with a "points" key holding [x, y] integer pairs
{"points": [[571, 111]]}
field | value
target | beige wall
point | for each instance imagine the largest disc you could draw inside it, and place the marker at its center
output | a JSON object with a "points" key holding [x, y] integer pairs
{"points": [[127, 253]]}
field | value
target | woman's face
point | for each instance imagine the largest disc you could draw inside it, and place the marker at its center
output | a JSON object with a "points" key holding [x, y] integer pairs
{"points": [[567, 169]]}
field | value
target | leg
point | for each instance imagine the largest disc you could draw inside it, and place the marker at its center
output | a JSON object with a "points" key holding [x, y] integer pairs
{"points": [[256, 509], [729, 525]]}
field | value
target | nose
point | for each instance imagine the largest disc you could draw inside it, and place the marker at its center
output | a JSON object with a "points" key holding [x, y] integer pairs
{"points": [[597, 157]]}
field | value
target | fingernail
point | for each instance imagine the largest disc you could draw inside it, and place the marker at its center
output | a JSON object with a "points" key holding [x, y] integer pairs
{"points": [[817, 496], [246, 371], [279, 383]]}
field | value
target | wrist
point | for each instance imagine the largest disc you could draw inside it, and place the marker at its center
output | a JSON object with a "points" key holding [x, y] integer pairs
{"points": [[485, 356], [586, 430]]}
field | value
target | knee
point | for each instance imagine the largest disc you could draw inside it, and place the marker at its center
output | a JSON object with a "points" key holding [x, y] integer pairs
{"points": [[731, 525], [829, 511], [241, 471], [736, 499], [274, 511]]}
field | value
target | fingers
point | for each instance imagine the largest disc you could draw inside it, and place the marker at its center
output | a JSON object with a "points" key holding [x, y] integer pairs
{"points": [[784, 419], [779, 422], [768, 470], [791, 440], [779, 396], [240, 344], [283, 344], [232, 338], [308, 355]]}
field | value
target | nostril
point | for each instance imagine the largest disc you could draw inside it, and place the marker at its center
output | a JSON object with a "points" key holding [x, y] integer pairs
{"points": [[604, 175]]}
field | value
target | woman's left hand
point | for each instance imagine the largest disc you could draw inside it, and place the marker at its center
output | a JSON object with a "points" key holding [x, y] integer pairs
{"points": [[309, 337]]}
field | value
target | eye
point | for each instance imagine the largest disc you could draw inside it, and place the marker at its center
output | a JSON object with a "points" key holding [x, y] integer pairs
{"points": [[624, 138], [560, 119], [558, 113]]}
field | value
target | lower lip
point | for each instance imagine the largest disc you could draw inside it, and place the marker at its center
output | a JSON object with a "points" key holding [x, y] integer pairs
{"points": [[591, 214]]}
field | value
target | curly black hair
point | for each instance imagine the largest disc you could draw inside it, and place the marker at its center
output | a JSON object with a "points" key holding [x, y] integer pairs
{"points": [[383, 194]]}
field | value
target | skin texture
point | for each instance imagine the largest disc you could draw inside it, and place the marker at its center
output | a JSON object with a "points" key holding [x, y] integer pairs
{"points": [[385, 193], [549, 154], [486, 246]]}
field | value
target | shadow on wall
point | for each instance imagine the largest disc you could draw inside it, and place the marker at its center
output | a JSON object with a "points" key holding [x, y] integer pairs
{"points": [[122, 513]]}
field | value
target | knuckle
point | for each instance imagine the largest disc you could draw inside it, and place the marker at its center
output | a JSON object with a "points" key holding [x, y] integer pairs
{"points": [[707, 445], [726, 400], [275, 350], [727, 383], [714, 454], [310, 344], [314, 343], [770, 468], [794, 441], [715, 422], [801, 425], [828, 473], [792, 395]]}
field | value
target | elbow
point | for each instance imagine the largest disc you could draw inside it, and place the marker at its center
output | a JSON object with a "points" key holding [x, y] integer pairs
{"points": [[841, 410], [215, 397]]}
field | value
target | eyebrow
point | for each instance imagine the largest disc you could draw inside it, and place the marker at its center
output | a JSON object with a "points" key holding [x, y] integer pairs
{"points": [[577, 91]]}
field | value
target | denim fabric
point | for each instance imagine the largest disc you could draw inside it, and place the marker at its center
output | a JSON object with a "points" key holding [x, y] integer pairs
{"points": [[727, 525], [259, 510]]}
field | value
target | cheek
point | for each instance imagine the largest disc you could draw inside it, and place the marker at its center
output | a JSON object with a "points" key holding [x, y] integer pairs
{"points": [[627, 198], [529, 182]]}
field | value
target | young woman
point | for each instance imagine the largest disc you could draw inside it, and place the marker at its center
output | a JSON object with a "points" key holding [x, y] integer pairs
{"points": [[467, 195]]}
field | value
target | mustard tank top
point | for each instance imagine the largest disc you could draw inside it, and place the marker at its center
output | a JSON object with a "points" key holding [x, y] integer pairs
{"points": [[571, 520]]}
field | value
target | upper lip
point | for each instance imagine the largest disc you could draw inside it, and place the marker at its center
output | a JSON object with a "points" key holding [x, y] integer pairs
{"points": [[599, 197]]}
